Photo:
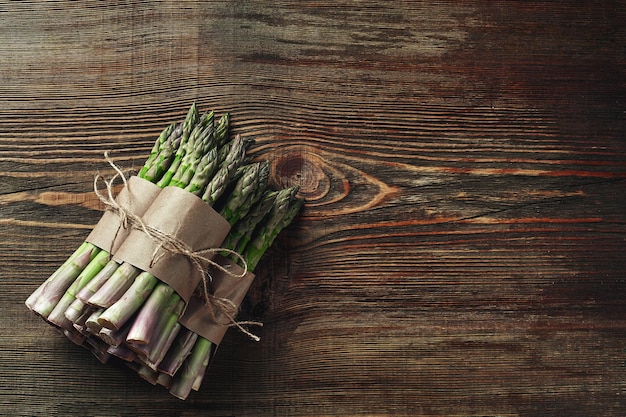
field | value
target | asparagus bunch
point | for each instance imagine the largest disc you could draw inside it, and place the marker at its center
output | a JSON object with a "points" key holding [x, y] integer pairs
{"points": [[119, 292], [197, 152], [116, 309]]}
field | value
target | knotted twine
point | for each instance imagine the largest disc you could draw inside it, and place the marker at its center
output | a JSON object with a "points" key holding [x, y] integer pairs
{"points": [[172, 244]]}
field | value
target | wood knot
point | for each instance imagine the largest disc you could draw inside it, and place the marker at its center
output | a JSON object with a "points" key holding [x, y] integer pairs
{"points": [[303, 169], [330, 185]]}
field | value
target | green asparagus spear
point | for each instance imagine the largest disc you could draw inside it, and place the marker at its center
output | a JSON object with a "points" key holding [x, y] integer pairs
{"points": [[188, 125], [271, 226], [57, 316], [165, 157], [233, 159], [178, 352], [200, 140], [241, 233], [120, 311], [246, 192], [32, 299], [221, 130], [205, 170], [156, 149]]}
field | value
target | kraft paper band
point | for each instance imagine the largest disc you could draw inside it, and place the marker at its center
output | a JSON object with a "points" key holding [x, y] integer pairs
{"points": [[135, 197], [184, 217], [211, 322]]}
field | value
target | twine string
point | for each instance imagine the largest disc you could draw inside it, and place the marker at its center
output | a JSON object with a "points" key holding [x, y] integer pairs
{"points": [[229, 310]]}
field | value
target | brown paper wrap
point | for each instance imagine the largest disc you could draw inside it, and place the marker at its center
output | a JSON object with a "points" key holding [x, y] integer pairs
{"points": [[135, 197], [199, 318], [183, 216]]}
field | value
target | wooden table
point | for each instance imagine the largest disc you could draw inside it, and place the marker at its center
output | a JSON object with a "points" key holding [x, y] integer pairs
{"points": [[461, 252]]}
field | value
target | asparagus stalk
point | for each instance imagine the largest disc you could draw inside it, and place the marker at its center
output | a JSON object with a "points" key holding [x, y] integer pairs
{"points": [[92, 322], [98, 348], [159, 144], [148, 374], [205, 170], [200, 141], [32, 299], [246, 192], [164, 335], [120, 311], [75, 336], [221, 130], [115, 286], [123, 352], [79, 324], [54, 289], [114, 337], [178, 352], [285, 208], [57, 316], [164, 380], [241, 235], [142, 327], [77, 307], [233, 159], [189, 123], [198, 360], [154, 172]]}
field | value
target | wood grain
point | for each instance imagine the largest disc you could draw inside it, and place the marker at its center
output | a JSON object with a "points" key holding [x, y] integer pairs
{"points": [[461, 252]]}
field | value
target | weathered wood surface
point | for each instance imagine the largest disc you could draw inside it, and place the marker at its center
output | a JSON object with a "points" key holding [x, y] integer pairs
{"points": [[462, 251]]}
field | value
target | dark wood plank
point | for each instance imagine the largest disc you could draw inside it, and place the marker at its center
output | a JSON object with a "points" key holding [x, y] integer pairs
{"points": [[461, 252]]}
